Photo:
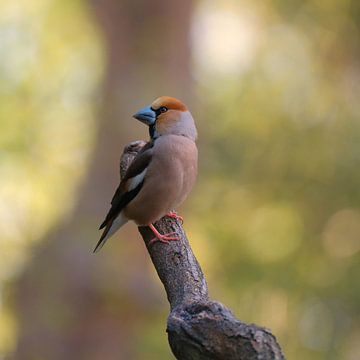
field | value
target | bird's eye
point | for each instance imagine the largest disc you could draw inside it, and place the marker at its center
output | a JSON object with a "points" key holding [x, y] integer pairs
{"points": [[163, 109]]}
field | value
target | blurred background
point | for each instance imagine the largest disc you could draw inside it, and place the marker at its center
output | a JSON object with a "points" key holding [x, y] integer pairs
{"points": [[274, 86]]}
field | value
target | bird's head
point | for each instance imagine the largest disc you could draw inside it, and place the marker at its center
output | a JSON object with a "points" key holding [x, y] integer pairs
{"points": [[167, 115]]}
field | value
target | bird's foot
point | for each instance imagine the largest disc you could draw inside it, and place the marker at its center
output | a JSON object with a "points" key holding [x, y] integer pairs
{"points": [[166, 238], [174, 215]]}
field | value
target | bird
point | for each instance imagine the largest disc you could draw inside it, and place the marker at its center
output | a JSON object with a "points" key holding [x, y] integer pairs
{"points": [[162, 174]]}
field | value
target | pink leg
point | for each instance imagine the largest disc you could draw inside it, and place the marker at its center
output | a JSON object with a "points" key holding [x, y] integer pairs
{"points": [[174, 215], [166, 238]]}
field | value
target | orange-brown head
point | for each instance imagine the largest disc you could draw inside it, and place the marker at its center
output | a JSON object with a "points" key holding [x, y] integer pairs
{"points": [[168, 102], [167, 115]]}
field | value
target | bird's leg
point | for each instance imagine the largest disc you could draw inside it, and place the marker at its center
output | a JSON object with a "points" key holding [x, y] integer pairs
{"points": [[166, 238], [174, 215]]}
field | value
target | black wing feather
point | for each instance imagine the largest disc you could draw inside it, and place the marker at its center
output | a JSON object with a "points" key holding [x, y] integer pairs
{"points": [[120, 203], [122, 197]]}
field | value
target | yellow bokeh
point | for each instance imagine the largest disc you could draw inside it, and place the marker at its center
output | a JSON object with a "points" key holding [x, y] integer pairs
{"points": [[274, 232]]}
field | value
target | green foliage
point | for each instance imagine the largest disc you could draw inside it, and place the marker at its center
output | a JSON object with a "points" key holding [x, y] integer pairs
{"points": [[49, 65], [280, 193]]}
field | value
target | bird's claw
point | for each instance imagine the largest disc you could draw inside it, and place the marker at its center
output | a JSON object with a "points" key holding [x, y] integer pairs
{"points": [[166, 239], [174, 215]]}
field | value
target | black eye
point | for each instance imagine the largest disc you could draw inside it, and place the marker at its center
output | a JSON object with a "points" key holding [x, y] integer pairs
{"points": [[163, 109]]}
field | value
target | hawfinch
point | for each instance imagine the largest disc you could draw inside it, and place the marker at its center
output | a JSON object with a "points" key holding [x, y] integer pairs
{"points": [[161, 175]]}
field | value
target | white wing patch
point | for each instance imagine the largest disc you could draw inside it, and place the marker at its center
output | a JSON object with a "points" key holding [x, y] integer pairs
{"points": [[136, 180]]}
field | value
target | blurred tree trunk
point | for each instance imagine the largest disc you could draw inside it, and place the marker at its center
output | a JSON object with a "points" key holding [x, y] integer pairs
{"points": [[68, 299]]}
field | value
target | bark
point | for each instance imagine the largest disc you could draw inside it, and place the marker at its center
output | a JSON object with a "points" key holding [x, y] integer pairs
{"points": [[197, 327]]}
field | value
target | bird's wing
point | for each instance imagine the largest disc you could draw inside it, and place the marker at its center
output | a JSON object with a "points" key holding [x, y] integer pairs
{"points": [[130, 185]]}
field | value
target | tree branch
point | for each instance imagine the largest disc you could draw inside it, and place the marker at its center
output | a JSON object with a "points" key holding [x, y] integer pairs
{"points": [[197, 327]]}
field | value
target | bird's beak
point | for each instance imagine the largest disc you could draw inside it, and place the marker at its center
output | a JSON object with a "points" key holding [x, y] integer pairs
{"points": [[146, 115]]}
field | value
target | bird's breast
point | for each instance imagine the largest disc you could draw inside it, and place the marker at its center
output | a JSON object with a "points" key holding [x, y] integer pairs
{"points": [[168, 180]]}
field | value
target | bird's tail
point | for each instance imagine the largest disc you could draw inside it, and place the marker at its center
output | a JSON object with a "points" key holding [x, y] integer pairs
{"points": [[110, 229]]}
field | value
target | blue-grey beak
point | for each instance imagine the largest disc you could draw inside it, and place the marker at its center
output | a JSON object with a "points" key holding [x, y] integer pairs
{"points": [[146, 115]]}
